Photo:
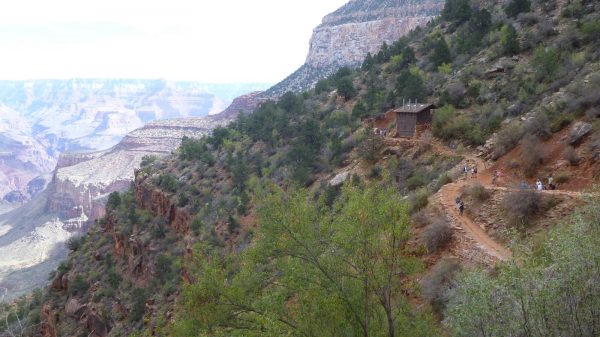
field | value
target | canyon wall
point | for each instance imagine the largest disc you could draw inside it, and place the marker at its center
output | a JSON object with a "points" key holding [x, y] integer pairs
{"points": [[346, 36], [42, 119]]}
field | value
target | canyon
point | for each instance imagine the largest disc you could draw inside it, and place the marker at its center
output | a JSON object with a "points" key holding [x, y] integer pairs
{"points": [[84, 140], [41, 119], [33, 237]]}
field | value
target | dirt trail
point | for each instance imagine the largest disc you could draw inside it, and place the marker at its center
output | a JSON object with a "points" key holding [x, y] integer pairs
{"points": [[447, 194]]}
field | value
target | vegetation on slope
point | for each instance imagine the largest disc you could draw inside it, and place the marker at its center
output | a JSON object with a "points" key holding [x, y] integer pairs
{"points": [[271, 248], [551, 290]]}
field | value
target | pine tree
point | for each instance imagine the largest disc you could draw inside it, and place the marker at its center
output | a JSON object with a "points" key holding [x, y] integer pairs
{"points": [[441, 53]]}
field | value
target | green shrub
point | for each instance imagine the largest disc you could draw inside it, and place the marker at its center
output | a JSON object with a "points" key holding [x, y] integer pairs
{"points": [[509, 40], [532, 155], [418, 200], [516, 7], [436, 284], [75, 243], [506, 140], [114, 201], [522, 206], [571, 156], [167, 182], [370, 147], [138, 308], [345, 88], [148, 160], [416, 180], [546, 62], [550, 290], [114, 279], [78, 286], [436, 235], [478, 192]]}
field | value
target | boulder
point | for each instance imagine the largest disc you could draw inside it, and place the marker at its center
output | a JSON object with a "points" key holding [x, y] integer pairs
{"points": [[578, 132], [74, 309], [339, 179]]}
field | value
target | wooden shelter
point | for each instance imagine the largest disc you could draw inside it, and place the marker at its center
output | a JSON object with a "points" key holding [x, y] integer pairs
{"points": [[409, 116]]}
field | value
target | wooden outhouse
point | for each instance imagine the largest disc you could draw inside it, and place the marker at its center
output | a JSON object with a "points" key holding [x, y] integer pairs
{"points": [[409, 116]]}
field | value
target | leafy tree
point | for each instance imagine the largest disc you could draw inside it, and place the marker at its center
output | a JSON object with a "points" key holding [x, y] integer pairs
{"points": [[509, 41], [457, 11], [312, 272], [551, 291], [516, 7], [441, 53]]}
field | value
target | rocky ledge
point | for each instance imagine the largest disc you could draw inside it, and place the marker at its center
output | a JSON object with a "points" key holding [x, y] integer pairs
{"points": [[81, 188]]}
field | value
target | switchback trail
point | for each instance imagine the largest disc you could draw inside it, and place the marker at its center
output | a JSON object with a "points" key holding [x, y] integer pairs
{"points": [[447, 194]]}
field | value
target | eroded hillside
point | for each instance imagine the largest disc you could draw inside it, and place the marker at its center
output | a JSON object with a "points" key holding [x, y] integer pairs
{"points": [[302, 219]]}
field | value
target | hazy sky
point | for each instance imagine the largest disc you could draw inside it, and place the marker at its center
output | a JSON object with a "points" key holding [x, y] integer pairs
{"points": [[203, 40]]}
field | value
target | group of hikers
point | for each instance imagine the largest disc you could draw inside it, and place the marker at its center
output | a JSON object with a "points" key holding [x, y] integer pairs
{"points": [[381, 132], [470, 169], [540, 186]]}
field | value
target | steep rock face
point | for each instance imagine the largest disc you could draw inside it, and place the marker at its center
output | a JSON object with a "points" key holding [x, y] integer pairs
{"points": [[33, 236], [346, 36]]}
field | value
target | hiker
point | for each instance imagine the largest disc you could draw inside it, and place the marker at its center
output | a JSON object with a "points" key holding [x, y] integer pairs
{"points": [[457, 200], [495, 177], [466, 171], [461, 208], [539, 185], [474, 171], [551, 185]]}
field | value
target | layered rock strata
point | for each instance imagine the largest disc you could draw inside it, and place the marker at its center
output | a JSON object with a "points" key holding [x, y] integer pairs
{"points": [[346, 36]]}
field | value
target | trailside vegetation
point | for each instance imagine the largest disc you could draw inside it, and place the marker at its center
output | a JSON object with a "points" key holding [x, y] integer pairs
{"points": [[550, 290], [312, 270]]}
